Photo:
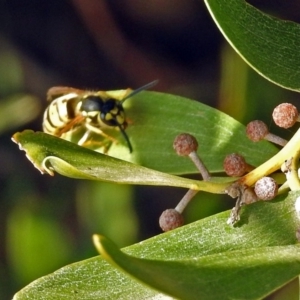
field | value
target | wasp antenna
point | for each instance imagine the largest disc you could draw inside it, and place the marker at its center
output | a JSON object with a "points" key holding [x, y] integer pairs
{"points": [[126, 138], [142, 88]]}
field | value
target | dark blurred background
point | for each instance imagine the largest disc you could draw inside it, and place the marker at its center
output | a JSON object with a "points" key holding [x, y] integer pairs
{"points": [[47, 222]]}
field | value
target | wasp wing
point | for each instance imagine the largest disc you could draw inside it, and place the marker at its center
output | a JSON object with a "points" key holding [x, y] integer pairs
{"points": [[59, 91]]}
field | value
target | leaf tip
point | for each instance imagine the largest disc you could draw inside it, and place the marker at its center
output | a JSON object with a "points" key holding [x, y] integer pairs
{"points": [[18, 138], [105, 247], [97, 240]]}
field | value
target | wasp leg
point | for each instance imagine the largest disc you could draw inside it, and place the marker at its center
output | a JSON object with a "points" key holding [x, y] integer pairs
{"points": [[100, 132], [95, 145], [85, 141], [84, 138]]}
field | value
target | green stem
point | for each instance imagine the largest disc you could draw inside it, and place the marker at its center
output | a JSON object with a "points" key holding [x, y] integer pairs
{"points": [[292, 174], [291, 149]]}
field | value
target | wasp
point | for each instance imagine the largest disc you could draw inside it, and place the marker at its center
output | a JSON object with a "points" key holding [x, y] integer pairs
{"points": [[72, 108]]}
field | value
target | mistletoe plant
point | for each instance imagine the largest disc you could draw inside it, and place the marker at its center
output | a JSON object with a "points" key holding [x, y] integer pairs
{"points": [[249, 258]]}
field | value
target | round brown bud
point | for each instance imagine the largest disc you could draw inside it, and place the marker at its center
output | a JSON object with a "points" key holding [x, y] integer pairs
{"points": [[170, 219], [266, 188], [256, 130], [235, 165], [285, 115], [184, 144]]}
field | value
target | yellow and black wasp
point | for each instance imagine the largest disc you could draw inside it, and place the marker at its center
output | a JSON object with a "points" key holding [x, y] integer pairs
{"points": [[72, 108]]}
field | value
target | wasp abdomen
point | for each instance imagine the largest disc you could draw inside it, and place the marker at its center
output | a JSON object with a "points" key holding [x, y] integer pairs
{"points": [[59, 114]]}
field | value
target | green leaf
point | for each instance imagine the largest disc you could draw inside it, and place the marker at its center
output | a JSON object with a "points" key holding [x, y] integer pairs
{"points": [[212, 261], [269, 45], [196, 278], [49, 153], [156, 119]]}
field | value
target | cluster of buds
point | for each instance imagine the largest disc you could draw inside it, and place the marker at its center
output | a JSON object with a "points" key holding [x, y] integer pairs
{"points": [[260, 180], [251, 184], [265, 187]]}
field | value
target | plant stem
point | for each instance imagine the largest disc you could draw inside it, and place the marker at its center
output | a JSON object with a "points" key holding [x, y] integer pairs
{"points": [[291, 149], [292, 173], [185, 200]]}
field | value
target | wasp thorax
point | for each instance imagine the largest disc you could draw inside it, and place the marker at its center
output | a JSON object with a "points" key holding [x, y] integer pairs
{"points": [[92, 103]]}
